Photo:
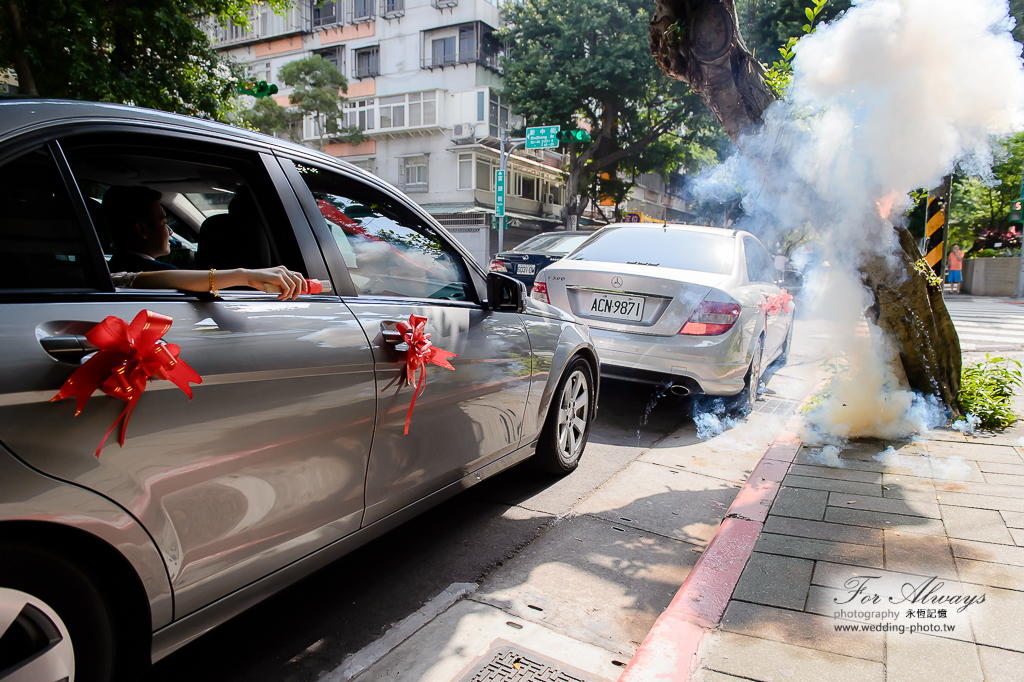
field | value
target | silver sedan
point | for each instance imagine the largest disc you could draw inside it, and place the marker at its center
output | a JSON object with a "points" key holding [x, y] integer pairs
{"points": [[699, 308]]}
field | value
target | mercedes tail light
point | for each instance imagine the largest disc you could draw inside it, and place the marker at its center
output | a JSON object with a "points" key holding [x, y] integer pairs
{"points": [[497, 266], [711, 318], [540, 292]]}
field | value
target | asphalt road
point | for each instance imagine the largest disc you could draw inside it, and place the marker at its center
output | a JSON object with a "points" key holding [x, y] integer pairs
{"points": [[312, 626]]}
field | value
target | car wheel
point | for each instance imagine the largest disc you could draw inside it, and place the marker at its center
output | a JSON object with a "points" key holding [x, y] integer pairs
{"points": [[753, 376], [54, 623], [784, 356], [568, 424]]}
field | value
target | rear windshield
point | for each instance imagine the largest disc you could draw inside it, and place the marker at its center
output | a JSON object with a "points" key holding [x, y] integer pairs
{"points": [[552, 243], [665, 248]]}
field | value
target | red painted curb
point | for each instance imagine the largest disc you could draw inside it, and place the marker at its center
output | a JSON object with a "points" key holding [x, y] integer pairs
{"points": [[670, 650]]}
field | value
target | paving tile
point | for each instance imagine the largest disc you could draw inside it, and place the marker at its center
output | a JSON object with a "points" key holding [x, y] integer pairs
{"points": [[823, 550], [992, 489], [919, 554], [712, 676], [852, 487], [912, 658], [987, 551], [901, 492], [836, 473], [998, 468], [883, 520], [1018, 536], [891, 479], [983, 525], [754, 658], [1001, 665], [805, 457], [802, 503], [1013, 519], [927, 508], [775, 580], [820, 530], [802, 629], [975, 451], [981, 501], [986, 573], [1000, 620], [1005, 479]]}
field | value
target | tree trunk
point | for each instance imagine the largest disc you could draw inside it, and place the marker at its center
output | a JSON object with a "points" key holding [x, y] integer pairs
{"points": [[698, 42], [22, 66]]}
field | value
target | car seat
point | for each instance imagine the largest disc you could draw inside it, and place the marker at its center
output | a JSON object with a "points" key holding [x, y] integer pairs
{"points": [[236, 239]]}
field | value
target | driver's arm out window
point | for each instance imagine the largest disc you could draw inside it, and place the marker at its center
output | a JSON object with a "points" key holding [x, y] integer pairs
{"points": [[387, 248]]}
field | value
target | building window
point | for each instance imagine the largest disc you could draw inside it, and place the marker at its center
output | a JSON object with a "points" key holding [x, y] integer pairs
{"points": [[362, 10], [484, 173], [526, 187], [497, 115], [443, 51], [335, 55], [359, 114], [392, 7], [261, 71], [392, 111], [423, 108], [480, 105], [325, 12], [367, 62], [465, 171], [467, 43], [413, 176], [368, 165]]}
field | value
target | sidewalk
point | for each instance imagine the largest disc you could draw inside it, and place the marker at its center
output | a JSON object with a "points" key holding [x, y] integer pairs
{"points": [[908, 568]]}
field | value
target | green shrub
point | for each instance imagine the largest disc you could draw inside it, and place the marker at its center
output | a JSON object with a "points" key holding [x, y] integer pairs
{"points": [[986, 390]]}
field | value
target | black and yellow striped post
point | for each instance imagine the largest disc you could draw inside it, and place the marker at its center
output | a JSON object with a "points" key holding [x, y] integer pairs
{"points": [[936, 221]]}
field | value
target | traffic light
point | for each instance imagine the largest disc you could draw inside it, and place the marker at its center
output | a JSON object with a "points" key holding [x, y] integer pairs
{"points": [[257, 88], [570, 136], [1017, 211]]}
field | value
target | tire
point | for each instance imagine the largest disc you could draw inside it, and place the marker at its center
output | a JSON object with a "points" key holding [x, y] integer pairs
{"points": [[64, 620], [562, 439], [749, 393], [784, 355]]}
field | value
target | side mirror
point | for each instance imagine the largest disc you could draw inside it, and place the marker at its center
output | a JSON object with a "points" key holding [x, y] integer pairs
{"points": [[505, 293], [793, 279]]}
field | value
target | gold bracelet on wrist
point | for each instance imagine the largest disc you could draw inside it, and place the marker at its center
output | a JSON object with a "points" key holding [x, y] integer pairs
{"points": [[213, 289]]}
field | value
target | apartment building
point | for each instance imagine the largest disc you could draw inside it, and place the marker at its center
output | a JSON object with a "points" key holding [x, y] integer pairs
{"points": [[423, 85]]}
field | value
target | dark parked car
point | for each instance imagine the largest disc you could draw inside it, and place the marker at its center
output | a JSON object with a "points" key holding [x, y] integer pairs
{"points": [[292, 451], [536, 253]]}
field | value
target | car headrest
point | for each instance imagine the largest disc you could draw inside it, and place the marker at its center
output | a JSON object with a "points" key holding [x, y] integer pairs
{"points": [[235, 239]]}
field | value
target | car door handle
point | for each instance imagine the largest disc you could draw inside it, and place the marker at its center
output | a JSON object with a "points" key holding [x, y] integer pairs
{"points": [[389, 332], [67, 348]]}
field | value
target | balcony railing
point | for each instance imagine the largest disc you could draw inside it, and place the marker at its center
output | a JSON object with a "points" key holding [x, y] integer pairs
{"points": [[361, 11], [264, 24], [483, 58], [444, 4], [392, 9]]}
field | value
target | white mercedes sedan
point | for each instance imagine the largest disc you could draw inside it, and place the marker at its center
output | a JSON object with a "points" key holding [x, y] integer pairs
{"points": [[697, 308]]}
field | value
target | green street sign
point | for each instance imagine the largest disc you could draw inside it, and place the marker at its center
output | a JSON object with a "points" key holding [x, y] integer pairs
{"points": [[499, 193], [542, 137]]}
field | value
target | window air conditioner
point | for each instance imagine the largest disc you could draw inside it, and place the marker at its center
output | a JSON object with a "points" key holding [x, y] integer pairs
{"points": [[464, 131]]}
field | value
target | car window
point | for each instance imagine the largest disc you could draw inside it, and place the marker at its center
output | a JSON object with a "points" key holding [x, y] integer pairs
{"points": [[242, 223], [42, 244], [667, 248], [760, 267], [388, 250]]}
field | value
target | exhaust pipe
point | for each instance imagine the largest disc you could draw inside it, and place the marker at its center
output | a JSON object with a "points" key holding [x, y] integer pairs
{"points": [[679, 390]]}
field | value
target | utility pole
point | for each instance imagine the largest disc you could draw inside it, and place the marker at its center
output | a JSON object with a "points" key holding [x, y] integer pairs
{"points": [[499, 205], [1017, 215]]}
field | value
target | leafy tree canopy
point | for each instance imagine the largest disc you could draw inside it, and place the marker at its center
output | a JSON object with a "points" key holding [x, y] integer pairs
{"points": [[980, 212], [587, 63], [149, 53]]}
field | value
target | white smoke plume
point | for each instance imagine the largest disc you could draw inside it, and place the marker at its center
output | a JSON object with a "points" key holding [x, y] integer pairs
{"points": [[888, 98], [951, 469]]}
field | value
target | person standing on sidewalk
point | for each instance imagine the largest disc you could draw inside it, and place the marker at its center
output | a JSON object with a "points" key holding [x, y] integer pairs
{"points": [[956, 265]]}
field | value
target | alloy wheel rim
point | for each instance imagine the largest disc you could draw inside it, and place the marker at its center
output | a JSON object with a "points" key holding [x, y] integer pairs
{"points": [[573, 410], [36, 642]]}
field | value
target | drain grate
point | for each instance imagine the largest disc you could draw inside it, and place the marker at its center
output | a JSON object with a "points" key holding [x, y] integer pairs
{"points": [[777, 406], [512, 664]]}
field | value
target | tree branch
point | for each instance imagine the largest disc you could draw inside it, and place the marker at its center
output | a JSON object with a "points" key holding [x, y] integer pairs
{"points": [[22, 67]]}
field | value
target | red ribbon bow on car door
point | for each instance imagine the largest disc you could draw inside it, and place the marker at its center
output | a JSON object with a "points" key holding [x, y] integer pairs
{"points": [[773, 305], [129, 355], [420, 353]]}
